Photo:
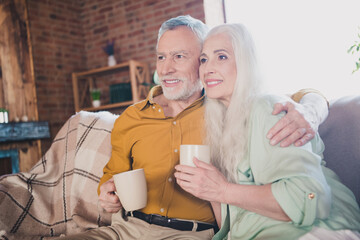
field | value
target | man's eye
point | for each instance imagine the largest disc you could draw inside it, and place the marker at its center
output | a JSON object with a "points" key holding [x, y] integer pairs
{"points": [[160, 58], [223, 57], [179, 56], [203, 60]]}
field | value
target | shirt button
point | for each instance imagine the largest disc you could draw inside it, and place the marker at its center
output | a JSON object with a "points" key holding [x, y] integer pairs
{"points": [[176, 150], [311, 196], [170, 179], [162, 210], [153, 107], [174, 122], [159, 110]]}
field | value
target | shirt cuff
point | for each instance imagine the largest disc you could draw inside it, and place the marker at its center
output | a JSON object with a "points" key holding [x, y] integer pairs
{"points": [[301, 93]]}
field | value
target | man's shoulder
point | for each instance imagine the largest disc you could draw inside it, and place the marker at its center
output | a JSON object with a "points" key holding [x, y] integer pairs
{"points": [[130, 112]]}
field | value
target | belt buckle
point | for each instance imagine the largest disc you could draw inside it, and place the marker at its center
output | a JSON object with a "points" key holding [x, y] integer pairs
{"points": [[160, 220], [150, 219]]}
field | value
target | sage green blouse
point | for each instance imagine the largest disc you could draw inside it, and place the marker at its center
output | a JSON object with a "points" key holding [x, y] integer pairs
{"points": [[309, 193]]}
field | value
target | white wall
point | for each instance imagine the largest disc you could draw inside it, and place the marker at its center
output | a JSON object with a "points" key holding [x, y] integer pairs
{"points": [[303, 43]]}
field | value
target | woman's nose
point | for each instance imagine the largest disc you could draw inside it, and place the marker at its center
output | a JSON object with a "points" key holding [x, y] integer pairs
{"points": [[209, 67]]}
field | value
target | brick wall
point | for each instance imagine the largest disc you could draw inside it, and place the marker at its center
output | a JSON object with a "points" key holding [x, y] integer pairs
{"points": [[132, 24], [58, 50], [68, 36]]}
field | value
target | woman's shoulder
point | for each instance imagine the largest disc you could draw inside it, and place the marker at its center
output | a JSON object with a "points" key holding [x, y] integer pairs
{"points": [[264, 104]]}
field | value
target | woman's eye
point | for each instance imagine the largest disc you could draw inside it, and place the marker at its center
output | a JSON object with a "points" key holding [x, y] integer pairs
{"points": [[203, 60], [223, 57]]}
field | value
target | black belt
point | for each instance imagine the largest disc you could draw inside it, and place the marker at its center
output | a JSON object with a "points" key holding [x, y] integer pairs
{"points": [[172, 222]]}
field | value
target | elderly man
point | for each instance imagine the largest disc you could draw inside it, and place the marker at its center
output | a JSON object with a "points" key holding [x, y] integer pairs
{"points": [[149, 133]]}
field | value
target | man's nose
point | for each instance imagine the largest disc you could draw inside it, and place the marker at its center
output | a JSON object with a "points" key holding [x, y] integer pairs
{"points": [[167, 67]]}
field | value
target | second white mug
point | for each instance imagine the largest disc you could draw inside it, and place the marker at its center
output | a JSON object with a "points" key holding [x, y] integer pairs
{"points": [[188, 152]]}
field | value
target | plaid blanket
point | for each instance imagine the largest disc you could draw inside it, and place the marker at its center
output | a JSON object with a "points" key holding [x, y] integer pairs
{"points": [[58, 195]]}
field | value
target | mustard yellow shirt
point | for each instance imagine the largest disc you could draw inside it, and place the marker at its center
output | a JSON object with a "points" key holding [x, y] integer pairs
{"points": [[144, 138]]}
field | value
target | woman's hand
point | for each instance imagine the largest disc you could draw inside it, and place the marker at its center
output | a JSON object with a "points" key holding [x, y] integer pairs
{"points": [[203, 181], [207, 183]]}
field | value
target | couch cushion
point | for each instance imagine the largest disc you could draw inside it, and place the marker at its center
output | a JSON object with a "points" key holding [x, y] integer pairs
{"points": [[341, 135]]}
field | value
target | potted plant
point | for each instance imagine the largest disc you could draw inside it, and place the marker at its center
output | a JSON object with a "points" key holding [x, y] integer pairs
{"points": [[95, 97], [109, 50], [355, 48]]}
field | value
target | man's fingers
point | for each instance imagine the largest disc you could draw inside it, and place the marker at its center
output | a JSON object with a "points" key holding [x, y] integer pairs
{"points": [[286, 129], [278, 108], [111, 203], [294, 127], [278, 127], [111, 197], [293, 137], [306, 138], [108, 186]]}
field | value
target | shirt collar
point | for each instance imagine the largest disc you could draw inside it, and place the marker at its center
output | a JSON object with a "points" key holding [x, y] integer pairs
{"points": [[156, 91]]}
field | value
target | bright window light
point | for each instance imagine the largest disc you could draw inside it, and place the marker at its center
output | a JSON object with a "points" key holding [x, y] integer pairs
{"points": [[303, 43]]}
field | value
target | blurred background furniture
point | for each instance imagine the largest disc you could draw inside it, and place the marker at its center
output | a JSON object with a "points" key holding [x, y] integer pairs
{"points": [[136, 73]]}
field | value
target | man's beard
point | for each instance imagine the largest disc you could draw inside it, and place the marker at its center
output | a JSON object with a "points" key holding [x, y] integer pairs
{"points": [[188, 89]]}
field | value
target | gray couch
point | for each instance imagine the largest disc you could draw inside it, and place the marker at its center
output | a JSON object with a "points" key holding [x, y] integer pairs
{"points": [[341, 135]]}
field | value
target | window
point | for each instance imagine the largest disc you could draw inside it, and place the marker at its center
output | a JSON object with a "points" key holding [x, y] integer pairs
{"points": [[303, 43]]}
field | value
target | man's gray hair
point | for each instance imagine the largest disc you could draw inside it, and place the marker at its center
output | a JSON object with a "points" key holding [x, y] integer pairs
{"points": [[197, 26]]}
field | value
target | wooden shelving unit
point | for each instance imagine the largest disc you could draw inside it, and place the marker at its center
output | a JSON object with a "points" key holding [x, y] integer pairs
{"points": [[139, 80]]}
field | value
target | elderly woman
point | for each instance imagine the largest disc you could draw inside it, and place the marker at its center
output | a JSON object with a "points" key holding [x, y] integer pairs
{"points": [[260, 191]]}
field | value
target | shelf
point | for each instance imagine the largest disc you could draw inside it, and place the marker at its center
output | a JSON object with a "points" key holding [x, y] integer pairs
{"points": [[22, 131], [103, 69], [139, 79], [109, 106]]}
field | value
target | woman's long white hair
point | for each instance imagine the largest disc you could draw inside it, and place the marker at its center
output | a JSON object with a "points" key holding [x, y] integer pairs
{"points": [[227, 128]]}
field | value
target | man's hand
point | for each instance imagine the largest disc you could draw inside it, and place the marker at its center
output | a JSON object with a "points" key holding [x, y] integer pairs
{"points": [[108, 200], [298, 126]]}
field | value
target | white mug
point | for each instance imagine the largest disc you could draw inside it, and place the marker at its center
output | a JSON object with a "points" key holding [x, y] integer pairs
{"points": [[188, 152], [131, 189]]}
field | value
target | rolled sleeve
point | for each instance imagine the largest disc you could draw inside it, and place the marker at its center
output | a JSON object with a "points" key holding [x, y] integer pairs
{"points": [[291, 199]]}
